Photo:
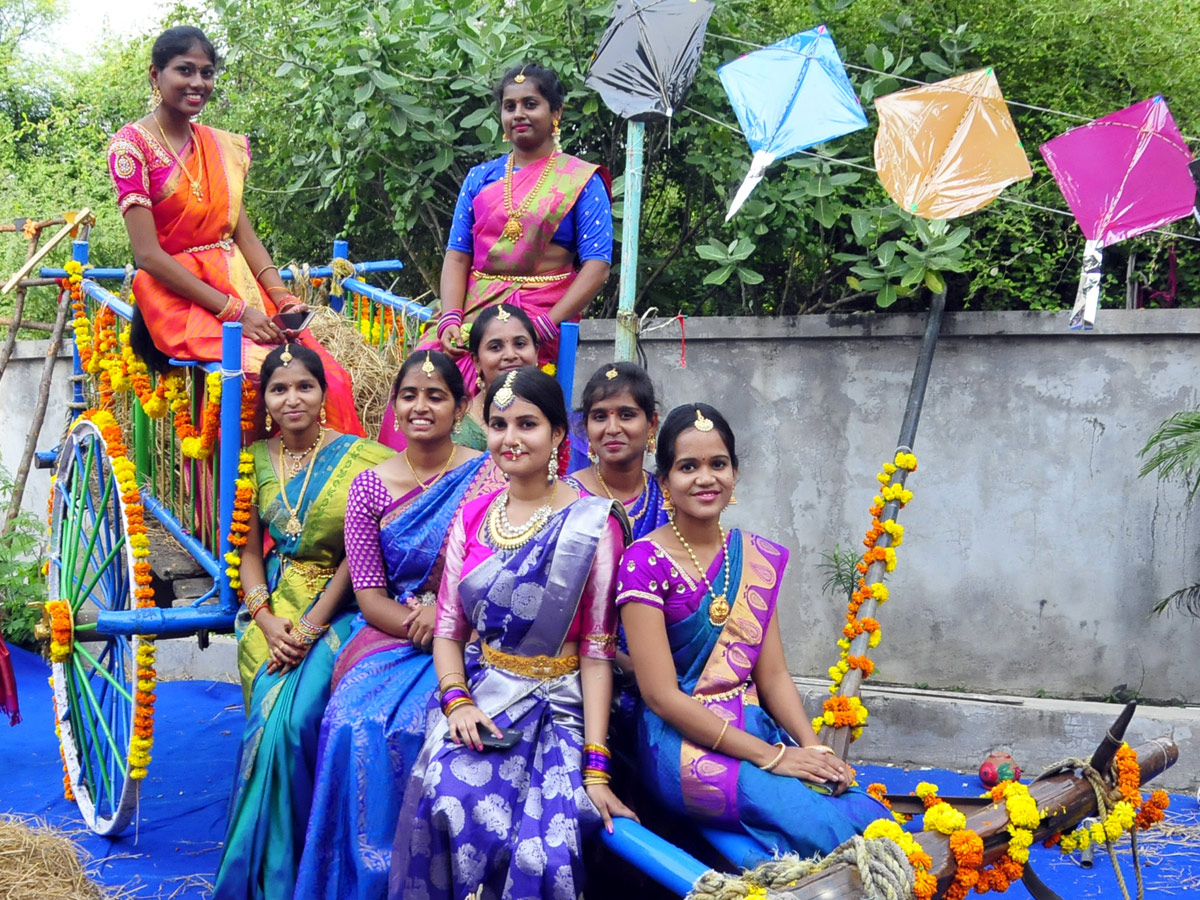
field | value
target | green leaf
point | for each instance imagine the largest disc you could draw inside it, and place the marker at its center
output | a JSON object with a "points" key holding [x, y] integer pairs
{"points": [[749, 276], [471, 119], [886, 296], [935, 282], [384, 81], [826, 212], [935, 62], [720, 276], [343, 71], [363, 92], [714, 251], [886, 252], [356, 121], [284, 69]]}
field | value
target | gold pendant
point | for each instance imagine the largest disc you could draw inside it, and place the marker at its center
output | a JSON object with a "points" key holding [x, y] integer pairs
{"points": [[197, 191], [718, 610], [293, 528], [513, 229]]}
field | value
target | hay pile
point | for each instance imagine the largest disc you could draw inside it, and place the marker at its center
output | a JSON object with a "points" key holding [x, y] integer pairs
{"points": [[42, 862], [371, 368]]}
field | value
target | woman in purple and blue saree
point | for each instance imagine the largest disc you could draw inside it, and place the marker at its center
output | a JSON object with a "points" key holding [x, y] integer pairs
{"points": [[513, 776], [531, 229], [723, 737], [398, 515]]}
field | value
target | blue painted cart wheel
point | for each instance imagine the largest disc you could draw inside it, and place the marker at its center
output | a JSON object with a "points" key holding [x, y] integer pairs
{"points": [[91, 569]]}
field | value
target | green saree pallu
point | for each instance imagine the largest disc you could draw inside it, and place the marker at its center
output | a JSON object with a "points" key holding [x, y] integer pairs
{"points": [[273, 790]]}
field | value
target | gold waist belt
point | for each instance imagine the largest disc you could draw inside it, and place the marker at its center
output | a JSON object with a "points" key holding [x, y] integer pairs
{"points": [[225, 244], [314, 576], [543, 667], [523, 279], [724, 695]]}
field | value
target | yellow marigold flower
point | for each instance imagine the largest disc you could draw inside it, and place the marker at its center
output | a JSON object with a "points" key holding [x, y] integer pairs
{"points": [[889, 468], [550, 369], [880, 592], [945, 819], [883, 478], [874, 640], [925, 788]]}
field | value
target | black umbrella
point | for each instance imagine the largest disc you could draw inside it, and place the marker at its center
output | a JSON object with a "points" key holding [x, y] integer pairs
{"points": [[649, 55]]}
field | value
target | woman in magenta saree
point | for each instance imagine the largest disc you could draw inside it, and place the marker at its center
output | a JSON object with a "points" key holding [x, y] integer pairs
{"points": [[532, 228], [723, 737]]}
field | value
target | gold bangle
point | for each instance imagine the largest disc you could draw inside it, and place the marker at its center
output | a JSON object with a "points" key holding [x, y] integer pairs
{"points": [[258, 274], [821, 748], [456, 684], [721, 736], [778, 756], [451, 674], [277, 287]]}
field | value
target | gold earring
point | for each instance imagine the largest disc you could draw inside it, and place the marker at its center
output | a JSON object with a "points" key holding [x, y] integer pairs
{"points": [[395, 420], [732, 499], [504, 138], [155, 99], [552, 466], [458, 424], [478, 382], [652, 444], [323, 414], [667, 505], [557, 139], [591, 455], [268, 423]]}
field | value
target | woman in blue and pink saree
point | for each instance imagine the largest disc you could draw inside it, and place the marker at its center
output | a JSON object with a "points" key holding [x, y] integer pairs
{"points": [[723, 737], [513, 776]]}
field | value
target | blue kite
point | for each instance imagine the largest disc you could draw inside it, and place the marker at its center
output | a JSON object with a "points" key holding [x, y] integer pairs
{"points": [[788, 97]]}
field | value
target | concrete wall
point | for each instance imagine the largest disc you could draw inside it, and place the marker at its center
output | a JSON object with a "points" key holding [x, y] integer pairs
{"points": [[18, 397], [1032, 551]]}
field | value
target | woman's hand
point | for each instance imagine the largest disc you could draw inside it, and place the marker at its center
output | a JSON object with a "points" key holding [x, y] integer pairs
{"points": [[293, 304], [608, 805], [260, 329], [815, 765], [420, 624], [465, 725], [285, 650], [451, 338]]}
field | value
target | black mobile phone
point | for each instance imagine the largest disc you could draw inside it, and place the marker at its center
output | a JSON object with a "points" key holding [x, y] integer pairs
{"points": [[293, 322], [510, 738]]}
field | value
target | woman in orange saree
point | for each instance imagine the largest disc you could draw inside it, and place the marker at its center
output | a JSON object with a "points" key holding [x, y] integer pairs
{"points": [[179, 188]]}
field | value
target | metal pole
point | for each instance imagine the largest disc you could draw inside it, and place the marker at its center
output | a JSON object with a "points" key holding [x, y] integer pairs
{"points": [[231, 447], [839, 738], [568, 346], [626, 344], [341, 250]]}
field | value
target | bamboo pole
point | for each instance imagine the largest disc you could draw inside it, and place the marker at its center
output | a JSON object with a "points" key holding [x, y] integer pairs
{"points": [[839, 738], [14, 325], [47, 327], [82, 220], [625, 349]]}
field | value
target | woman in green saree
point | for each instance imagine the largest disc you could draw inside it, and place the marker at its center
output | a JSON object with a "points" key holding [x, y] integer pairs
{"points": [[299, 610]]}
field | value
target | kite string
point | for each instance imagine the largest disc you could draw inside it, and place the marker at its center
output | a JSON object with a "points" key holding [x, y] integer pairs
{"points": [[1043, 109], [874, 171]]}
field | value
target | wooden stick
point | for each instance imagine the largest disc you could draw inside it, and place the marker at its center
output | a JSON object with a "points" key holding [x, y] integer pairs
{"points": [[18, 309], [83, 218], [1069, 798], [47, 327]]}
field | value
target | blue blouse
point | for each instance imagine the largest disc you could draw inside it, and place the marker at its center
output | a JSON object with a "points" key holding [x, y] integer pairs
{"points": [[586, 230]]}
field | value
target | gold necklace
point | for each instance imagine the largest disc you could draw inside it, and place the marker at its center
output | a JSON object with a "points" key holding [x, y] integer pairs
{"points": [[194, 183], [417, 478], [718, 610], [294, 526], [503, 535], [513, 229], [296, 460], [633, 517]]}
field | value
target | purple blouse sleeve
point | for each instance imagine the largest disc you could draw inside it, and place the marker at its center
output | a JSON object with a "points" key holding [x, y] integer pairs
{"points": [[639, 579], [130, 173], [598, 613], [365, 502], [452, 619]]}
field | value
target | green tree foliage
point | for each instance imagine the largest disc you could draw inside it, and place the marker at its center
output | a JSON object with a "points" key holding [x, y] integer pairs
{"points": [[364, 117]]}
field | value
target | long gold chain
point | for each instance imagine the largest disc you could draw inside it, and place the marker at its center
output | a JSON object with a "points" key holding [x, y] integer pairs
{"points": [[294, 526], [718, 610], [513, 229], [417, 478], [194, 183], [633, 517]]}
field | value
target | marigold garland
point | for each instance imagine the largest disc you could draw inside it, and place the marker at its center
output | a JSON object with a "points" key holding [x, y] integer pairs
{"points": [[836, 713], [1128, 813], [62, 628], [125, 473], [195, 444], [243, 497], [68, 791]]}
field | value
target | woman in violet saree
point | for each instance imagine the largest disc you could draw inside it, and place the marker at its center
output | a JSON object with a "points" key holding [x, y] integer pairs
{"points": [[397, 518], [296, 605], [723, 737], [509, 822], [179, 189], [524, 222]]}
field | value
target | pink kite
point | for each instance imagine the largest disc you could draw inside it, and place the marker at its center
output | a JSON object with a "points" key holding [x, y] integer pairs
{"points": [[1122, 175]]}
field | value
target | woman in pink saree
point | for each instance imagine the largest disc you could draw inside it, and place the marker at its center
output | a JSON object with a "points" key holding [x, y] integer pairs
{"points": [[532, 228]]}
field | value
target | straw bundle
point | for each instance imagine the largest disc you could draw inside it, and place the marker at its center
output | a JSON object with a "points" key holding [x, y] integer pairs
{"points": [[371, 368], [42, 862]]}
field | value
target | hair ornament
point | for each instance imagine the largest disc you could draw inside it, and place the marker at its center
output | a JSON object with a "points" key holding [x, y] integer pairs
{"points": [[427, 366], [504, 397], [285, 358], [701, 423], [611, 373], [502, 314], [519, 78]]}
